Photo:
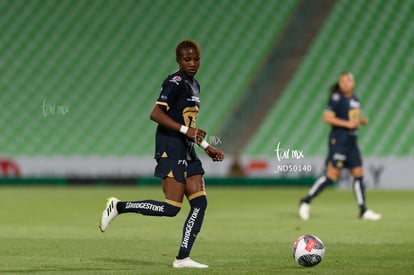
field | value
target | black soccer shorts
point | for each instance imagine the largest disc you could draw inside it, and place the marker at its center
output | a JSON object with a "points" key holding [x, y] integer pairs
{"points": [[179, 169]]}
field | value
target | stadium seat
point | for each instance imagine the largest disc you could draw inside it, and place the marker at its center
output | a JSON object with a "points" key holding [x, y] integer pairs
{"points": [[372, 39], [81, 77]]}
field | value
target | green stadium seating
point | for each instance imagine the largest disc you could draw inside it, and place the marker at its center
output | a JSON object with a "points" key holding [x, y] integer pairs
{"points": [[103, 62], [372, 39], [80, 78]]}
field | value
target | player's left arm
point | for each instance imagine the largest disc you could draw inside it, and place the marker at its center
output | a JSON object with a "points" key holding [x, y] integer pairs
{"points": [[214, 153]]}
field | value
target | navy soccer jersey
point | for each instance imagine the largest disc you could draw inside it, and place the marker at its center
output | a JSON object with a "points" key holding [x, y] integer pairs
{"points": [[181, 95], [174, 152], [346, 109], [343, 147]]}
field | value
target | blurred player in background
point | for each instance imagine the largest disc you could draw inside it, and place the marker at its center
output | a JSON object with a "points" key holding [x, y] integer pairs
{"points": [[179, 167], [343, 114]]}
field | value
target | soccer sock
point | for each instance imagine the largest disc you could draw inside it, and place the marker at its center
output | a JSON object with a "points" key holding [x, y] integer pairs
{"points": [[149, 208], [316, 188], [192, 225], [359, 192]]}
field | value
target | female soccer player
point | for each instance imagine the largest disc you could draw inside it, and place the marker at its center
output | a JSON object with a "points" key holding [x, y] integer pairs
{"points": [[179, 167], [343, 114]]}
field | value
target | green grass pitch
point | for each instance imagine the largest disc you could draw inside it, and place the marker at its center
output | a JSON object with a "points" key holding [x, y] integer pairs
{"points": [[54, 230]]}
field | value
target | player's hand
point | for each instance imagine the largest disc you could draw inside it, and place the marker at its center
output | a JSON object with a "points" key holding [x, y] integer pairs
{"points": [[363, 121], [196, 134], [214, 153]]}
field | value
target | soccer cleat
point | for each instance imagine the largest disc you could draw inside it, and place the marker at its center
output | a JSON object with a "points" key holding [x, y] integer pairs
{"points": [[109, 214], [370, 215], [304, 210], [187, 263]]}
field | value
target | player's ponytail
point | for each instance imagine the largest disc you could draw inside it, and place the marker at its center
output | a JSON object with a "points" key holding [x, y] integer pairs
{"points": [[334, 88]]}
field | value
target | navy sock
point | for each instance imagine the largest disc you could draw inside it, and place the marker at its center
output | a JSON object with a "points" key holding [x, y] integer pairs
{"points": [[148, 208], [192, 225], [317, 188], [359, 191]]}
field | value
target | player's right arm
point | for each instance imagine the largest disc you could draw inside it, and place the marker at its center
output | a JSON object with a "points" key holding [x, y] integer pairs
{"points": [[330, 118], [167, 97], [160, 116]]}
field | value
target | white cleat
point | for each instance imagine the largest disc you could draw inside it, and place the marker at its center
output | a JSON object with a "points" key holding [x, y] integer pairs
{"points": [[188, 263], [370, 215], [304, 210], [109, 214]]}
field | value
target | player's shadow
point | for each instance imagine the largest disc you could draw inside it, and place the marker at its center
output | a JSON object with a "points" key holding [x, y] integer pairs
{"points": [[131, 262], [128, 261]]}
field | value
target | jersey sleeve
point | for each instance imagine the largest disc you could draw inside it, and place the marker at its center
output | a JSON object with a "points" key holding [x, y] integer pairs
{"points": [[167, 93], [333, 103]]}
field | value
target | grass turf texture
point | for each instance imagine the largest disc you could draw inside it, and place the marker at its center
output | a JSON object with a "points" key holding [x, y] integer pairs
{"points": [[246, 231]]}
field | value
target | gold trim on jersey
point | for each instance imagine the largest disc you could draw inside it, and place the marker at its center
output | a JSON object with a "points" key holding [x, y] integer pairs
{"points": [[164, 155], [196, 195], [170, 174], [330, 112], [163, 104], [174, 203]]}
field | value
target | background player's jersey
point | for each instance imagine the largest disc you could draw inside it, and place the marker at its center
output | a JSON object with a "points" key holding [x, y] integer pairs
{"points": [[180, 94], [347, 109]]}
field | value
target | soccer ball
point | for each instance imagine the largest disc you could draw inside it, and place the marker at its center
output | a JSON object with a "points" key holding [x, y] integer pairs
{"points": [[308, 250]]}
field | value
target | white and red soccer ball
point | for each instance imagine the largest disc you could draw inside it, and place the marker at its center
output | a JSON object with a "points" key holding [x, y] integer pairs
{"points": [[308, 250]]}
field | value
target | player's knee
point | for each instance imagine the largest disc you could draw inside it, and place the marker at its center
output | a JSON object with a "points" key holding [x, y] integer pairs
{"points": [[332, 176], [332, 173], [199, 202], [357, 172], [171, 210]]}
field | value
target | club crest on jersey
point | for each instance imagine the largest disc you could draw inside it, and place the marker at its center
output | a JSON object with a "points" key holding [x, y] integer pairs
{"points": [[176, 79]]}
